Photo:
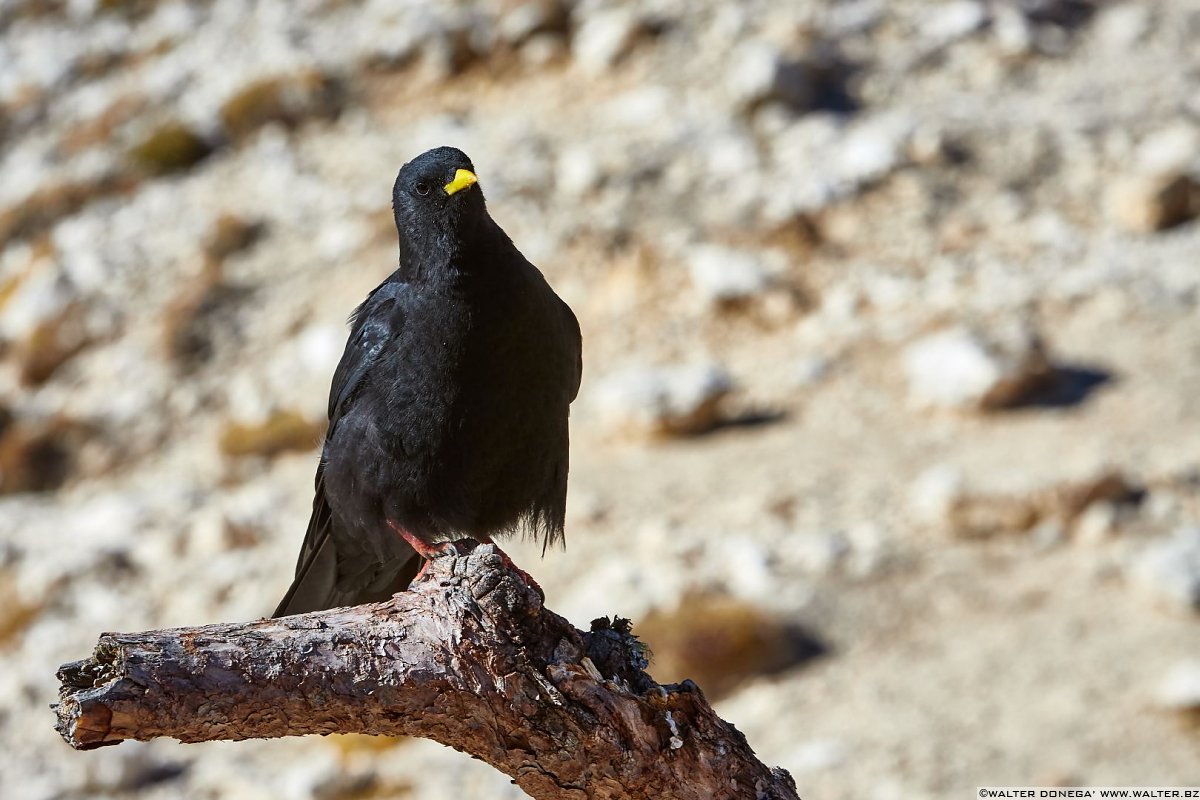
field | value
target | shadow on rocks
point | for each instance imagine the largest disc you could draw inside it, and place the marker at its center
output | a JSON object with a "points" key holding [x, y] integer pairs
{"points": [[1067, 386], [749, 419]]}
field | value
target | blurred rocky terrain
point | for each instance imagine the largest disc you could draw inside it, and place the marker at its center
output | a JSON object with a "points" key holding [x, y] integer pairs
{"points": [[890, 426]]}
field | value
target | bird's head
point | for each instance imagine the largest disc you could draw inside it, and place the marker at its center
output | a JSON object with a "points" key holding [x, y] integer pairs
{"points": [[437, 202]]}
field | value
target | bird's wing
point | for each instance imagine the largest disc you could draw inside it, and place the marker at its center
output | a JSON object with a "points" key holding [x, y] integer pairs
{"points": [[374, 324]]}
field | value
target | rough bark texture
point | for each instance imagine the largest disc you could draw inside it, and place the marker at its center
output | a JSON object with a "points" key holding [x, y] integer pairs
{"points": [[468, 657]]}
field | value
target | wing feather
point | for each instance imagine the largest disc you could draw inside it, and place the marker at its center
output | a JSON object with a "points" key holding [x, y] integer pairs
{"points": [[374, 325]]}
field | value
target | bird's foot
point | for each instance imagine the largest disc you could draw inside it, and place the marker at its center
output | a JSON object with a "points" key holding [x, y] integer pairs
{"points": [[424, 549], [430, 551], [508, 562]]}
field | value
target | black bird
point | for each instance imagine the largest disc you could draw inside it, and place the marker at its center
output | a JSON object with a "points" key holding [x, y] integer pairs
{"points": [[448, 410]]}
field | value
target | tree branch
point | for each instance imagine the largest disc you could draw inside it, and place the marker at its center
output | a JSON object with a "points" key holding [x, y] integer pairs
{"points": [[468, 657]]}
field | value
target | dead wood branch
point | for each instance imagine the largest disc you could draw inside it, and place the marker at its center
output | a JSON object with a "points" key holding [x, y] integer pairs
{"points": [[468, 657]]}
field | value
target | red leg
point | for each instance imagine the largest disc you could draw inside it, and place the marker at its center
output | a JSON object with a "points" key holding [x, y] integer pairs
{"points": [[508, 562], [431, 551], [424, 549]]}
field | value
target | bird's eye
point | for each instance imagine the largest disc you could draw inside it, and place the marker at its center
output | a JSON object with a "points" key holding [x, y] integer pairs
{"points": [[422, 188]]}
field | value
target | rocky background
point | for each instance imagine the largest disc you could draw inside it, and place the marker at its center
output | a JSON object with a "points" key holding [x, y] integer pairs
{"points": [[888, 433]]}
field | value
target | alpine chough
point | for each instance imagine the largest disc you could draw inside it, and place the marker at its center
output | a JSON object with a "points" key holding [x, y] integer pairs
{"points": [[448, 410]]}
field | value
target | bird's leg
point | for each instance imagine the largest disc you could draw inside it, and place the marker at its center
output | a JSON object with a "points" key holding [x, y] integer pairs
{"points": [[424, 549], [429, 552], [508, 562]]}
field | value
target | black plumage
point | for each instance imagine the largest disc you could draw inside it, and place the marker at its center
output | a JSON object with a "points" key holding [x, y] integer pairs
{"points": [[448, 410]]}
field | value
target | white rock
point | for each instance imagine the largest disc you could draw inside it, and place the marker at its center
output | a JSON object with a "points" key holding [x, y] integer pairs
{"points": [[207, 536], [308, 777], [851, 17], [1169, 569], [819, 552], [529, 19], [249, 399], [1047, 535], [818, 159], [672, 400], [338, 239], [809, 370], [816, 755], [730, 156], [632, 109], [76, 239], [446, 774], [747, 567], [752, 72], [615, 585], [320, 347], [1122, 24], [946, 22], [1180, 690], [1161, 507], [44, 294], [42, 786], [722, 275], [870, 549], [1012, 30], [1097, 523], [1148, 203], [542, 48], [1169, 150], [121, 769], [760, 72], [962, 368], [874, 148], [604, 37], [578, 171], [842, 303]]}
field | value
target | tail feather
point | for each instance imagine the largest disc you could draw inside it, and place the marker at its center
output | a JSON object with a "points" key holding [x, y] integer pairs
{"points": [[315, 583], [317, 586], [327, 578]]}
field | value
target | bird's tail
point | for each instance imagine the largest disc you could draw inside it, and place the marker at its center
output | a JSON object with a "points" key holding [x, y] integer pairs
{"points": [[317, 587], [315, 582], [326, 578]]}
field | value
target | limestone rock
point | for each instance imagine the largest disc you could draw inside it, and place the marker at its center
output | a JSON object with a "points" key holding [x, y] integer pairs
{"points": [[962, 368], [1149, 203], [724, 277], [1180, 689], [605, 37], [1169, 570], [675, 400]]}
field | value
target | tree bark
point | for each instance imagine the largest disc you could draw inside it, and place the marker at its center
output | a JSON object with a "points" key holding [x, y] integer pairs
{"points": [[468, 657]]}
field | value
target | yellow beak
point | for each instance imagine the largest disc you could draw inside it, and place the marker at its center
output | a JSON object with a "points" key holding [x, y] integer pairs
{"points": [[462, 179]]}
